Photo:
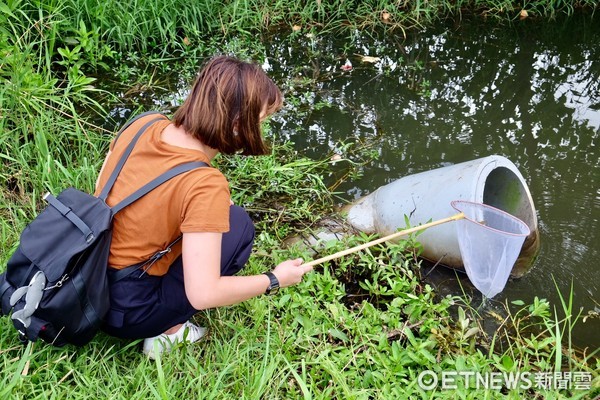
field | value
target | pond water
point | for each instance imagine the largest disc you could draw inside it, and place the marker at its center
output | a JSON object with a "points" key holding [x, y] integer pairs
{"points": [[529, 91]]}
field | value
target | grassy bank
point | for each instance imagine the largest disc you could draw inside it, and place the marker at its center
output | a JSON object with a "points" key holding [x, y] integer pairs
{"points": [[90, 31], [364, 327], [311, 341]]}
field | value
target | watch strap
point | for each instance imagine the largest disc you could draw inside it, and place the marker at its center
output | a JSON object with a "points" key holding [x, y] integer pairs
{"points": [[273, 284]]}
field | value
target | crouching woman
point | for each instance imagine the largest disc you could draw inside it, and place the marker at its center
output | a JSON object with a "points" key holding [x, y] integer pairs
{"points": [[222, 114]]}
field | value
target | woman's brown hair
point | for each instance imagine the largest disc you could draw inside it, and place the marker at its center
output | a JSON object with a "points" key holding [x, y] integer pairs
{"points": [[224, 106]]}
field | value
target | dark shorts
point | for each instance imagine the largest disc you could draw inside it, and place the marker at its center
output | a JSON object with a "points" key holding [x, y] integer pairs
{"points": [[145, 306]]}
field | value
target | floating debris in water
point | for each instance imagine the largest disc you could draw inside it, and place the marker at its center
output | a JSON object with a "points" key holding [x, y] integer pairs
{"points": [[369, 59], [335, 158], [347, 66], [385, 16]]}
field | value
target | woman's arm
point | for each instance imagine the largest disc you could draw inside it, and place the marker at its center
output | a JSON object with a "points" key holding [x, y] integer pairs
{"points": [[206, 288]]}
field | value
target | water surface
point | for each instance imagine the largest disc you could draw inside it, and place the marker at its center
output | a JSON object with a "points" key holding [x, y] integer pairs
{"points": [[529, 92]]}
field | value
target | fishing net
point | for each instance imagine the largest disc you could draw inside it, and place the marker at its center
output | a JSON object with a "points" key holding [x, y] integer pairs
{"points": [[490, 241]]}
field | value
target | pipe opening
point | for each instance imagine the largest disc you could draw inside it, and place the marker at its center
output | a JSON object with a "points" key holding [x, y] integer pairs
{"points": [[504, 190]]}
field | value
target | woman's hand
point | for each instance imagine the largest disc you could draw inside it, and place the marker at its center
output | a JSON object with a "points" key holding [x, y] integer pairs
{"points": [[290, 272]]}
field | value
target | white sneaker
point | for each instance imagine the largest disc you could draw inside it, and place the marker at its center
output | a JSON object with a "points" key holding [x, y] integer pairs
{"points": [[188, 333]]}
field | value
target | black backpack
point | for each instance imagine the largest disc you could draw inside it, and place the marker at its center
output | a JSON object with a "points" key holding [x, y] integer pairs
{"points": [[56, 281]]}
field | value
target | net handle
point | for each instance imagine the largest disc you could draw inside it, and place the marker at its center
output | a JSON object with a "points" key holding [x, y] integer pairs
{"points": [[363, 246]]}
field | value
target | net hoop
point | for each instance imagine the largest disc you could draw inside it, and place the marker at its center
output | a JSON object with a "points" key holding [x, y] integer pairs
{"points": [[456, 205]]}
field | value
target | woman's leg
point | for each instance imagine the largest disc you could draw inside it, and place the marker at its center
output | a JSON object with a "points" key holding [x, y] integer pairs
{"points": [[165, 303], [237, 243]]}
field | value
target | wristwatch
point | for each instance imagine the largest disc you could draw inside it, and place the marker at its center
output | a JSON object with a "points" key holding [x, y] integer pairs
{"points": [[273, 285]]}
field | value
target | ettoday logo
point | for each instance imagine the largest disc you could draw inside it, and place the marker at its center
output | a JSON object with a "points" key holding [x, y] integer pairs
{"points": [[448, 380]]}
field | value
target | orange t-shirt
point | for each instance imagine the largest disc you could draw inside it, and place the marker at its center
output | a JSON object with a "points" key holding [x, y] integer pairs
{"points": [[195, 201]]}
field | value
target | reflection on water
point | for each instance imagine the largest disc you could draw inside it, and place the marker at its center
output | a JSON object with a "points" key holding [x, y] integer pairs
{"points": [[529, 92]]}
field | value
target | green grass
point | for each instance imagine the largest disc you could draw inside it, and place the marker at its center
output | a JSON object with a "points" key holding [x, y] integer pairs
{"points": [[86, 33], [302, 343]]}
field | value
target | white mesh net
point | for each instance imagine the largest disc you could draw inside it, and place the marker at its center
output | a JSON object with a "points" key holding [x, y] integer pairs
{"points": [[490, 241]]}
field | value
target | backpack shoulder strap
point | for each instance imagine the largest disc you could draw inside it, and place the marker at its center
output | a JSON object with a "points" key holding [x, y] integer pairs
{"points": [[147, 188], [113, 176], [132, 120]]}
